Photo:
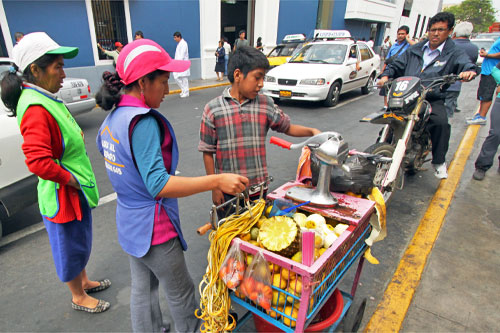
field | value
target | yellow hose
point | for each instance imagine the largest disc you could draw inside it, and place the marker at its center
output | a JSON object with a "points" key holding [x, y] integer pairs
{"points": [[214, 296]]}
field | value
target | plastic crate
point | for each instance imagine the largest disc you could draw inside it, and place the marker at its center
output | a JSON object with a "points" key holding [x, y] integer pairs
{"points": [[318, 280]]}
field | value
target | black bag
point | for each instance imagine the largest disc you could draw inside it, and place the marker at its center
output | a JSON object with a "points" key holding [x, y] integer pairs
{"points": [[359, 178], [390, 60]]}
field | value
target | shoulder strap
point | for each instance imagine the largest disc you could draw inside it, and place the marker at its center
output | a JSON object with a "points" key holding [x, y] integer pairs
{"points": [[400, 49]]}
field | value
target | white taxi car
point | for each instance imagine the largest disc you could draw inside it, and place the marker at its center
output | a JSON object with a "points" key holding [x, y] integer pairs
{"points": [[17, 183], [331, 65]]}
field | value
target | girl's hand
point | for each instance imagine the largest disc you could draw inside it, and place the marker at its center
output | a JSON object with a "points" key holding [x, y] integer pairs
{"points": [[231, 183]]}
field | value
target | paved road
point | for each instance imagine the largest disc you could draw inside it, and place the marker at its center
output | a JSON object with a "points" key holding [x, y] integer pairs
{"points": [[33, 299]]}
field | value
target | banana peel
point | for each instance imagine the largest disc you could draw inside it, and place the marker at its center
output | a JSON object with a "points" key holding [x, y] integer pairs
{"points": [[378, 223], [371, 259], [378, 220]]}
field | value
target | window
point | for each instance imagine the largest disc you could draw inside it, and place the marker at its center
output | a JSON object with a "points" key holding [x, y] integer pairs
{"points": [[407, 8], [365, 52], [416, 26], [109, 23], [422, 27]]}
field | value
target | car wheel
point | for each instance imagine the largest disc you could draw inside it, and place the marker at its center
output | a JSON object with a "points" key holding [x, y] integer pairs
{"points": [[276, 100], [332, 98], [369, 85]]}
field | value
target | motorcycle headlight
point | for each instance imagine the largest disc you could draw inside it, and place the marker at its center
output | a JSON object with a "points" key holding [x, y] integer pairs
{"points": [[313, 82], [268, 78]]}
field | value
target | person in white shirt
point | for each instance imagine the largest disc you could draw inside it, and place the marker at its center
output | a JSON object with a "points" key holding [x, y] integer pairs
{"points": [[182, 53], [227, 49], [370, 43]]}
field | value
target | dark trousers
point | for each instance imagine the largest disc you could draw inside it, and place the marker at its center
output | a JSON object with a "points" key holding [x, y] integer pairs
{"points": [[490, 145], [439, 130]]}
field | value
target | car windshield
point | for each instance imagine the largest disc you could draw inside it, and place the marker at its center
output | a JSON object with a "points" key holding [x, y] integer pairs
{"points": [[321, 53], [492, 35], [483, 44], [286, 50]]}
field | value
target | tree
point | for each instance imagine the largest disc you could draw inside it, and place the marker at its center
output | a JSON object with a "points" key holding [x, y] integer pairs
{"points": [[478, 12]]}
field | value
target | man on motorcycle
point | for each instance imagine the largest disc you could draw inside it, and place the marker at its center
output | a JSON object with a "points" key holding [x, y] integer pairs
{"points": [[428, 59]]}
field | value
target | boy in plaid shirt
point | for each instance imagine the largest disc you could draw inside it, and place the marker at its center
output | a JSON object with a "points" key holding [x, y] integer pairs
{"points": [[234, 125]]}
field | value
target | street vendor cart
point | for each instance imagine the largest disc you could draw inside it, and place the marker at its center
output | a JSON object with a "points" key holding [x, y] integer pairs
{"points": [[304, 292]]}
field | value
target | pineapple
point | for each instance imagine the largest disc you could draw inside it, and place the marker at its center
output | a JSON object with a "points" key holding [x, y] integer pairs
{"points": [[280, 234]]}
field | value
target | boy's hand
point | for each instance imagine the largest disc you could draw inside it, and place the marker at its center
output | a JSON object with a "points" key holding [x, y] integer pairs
{"points": [[217, 197], [232, 183]]}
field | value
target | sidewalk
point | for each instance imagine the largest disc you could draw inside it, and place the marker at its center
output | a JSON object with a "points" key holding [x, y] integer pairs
{"points": [[459, 287], [198, 84]]}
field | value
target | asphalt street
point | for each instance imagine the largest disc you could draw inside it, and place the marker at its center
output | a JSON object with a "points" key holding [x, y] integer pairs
{"points": [[33, 299]]}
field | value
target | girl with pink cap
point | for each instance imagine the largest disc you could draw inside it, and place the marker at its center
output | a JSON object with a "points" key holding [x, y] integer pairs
{"points": [[141, 154]]}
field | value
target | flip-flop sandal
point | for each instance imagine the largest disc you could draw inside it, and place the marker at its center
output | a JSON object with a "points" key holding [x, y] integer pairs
{"points": [[103, 284], [101, 307]]}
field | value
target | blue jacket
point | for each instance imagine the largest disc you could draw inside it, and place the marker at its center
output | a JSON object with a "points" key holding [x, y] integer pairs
{"points": [[451, 61], [136, 207]]}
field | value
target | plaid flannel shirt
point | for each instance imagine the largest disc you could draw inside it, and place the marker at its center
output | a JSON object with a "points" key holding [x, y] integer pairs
{"points": [[236, 133]]}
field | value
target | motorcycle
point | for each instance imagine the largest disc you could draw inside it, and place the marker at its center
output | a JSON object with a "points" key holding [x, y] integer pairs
{"points": [[404, 138]]}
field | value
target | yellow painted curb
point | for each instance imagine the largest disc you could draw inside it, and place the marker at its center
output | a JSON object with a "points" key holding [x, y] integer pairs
{"points": [[391, 311], [178, 91]]}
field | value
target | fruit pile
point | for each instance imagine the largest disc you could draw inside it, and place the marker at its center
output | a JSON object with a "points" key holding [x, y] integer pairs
{"points": [[282, 235]]}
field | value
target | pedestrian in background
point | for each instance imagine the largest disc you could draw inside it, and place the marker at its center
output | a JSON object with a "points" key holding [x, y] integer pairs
{"points": [[227, 50], [145, 151], [487, 84], [18, 36], [182, 53], [138, 35], [461, 35], [259, 45], [55, 152], [490, 145], [113, 54], [386, 45], [220, 54], [240, 41], [396, 50], [370, 43]]}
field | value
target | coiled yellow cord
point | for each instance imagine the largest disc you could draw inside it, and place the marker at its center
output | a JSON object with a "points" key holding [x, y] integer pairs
{"points": [[214, 296]]}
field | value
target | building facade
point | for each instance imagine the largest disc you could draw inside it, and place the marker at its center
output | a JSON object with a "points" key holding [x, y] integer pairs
{"points": [[85, 23]]}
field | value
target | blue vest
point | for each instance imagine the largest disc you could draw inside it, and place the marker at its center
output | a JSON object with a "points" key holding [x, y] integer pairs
{"points": [[135, 209]]}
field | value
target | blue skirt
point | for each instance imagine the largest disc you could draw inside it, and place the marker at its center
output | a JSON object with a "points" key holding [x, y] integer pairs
{"points": [[71, 243]]}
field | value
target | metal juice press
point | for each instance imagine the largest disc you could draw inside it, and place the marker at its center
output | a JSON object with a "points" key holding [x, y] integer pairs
{"points": [[331, 149]]}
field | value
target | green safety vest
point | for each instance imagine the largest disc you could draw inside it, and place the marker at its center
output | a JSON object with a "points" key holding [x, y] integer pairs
{"points": [[74, 158]]}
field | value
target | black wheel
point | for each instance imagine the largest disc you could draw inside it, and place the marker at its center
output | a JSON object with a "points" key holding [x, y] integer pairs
{"points": [[332, 98], [369, 85], [276, 100], [354, 316], [386, 150]]}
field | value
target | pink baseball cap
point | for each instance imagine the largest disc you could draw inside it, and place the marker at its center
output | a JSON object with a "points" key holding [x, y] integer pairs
{"points": [[144, 56]]}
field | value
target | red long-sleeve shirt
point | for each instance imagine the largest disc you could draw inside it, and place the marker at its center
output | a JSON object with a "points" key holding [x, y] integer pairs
{"points": [[42, 145]]}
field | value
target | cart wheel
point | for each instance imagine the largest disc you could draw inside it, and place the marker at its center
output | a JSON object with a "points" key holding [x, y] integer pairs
{"points": [[354, 316]]}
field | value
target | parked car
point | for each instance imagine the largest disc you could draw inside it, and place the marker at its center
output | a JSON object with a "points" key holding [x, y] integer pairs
{"points": [[323, 70], [17, 183], [482, 44], [284, 51], [488, 35]]}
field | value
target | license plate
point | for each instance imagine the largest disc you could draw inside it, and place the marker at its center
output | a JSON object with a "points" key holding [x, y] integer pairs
{"points": [[285, 93]]}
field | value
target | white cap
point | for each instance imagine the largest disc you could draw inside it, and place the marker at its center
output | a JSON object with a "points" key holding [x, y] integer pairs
{"points": [[36, 44]]}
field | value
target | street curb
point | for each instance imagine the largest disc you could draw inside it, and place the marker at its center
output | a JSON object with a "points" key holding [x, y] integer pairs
{"points": [[391, 311], [178, 91]]}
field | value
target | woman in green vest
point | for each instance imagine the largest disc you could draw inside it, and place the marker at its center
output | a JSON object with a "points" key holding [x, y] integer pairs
{"points": [[55, 152]]}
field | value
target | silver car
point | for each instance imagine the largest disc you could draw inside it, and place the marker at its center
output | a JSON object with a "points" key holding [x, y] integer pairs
{"points": [[17, 184]]}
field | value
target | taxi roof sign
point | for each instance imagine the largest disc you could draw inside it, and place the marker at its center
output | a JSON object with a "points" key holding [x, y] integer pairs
{"points": [[331, 34], [294, 37]]}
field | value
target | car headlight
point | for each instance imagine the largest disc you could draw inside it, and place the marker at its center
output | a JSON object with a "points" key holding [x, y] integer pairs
{"points": [[313, 82], [268, 78]]}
